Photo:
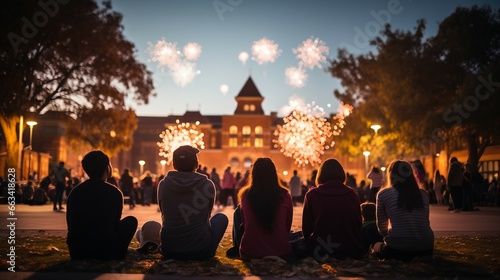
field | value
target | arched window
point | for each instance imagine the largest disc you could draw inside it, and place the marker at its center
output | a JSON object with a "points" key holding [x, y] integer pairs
{"points": [[252, 107], [234, 163], [259, 141], [233, 136], [247, 163], [246, 130]]}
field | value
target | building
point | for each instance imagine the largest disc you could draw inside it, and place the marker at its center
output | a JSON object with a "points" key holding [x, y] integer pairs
{"points": [[230, 140]]}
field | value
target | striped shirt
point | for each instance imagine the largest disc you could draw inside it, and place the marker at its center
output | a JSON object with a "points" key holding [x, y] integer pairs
{"points": [[408, 231]]}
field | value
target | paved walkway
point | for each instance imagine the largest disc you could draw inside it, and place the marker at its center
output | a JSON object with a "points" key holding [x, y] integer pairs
{"points": [[443, 222]]}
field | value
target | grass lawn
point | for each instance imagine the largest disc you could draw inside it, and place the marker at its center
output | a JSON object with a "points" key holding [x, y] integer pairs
{"points": [[470, 256]]}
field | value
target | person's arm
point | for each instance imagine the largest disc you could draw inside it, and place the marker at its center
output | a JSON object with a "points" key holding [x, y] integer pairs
{"points": [[307, 220], [289, 214], [382, 219]]}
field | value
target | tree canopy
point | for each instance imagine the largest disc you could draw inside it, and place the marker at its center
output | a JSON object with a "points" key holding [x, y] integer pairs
{"points": [[67, 56], [425, 90]]}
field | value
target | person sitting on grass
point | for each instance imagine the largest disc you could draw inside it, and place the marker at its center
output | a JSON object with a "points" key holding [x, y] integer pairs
{"points": [[186, 199], [404, 205], [263, 219], [370, 230], [331, 218], [95, 230]]}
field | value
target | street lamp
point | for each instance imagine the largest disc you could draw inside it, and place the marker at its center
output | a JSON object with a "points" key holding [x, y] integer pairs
{"points": [[375, 127], [141, 163], [366, 154], [163, 162], [31, 124]]}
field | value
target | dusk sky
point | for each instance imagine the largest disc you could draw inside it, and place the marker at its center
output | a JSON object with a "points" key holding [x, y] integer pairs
{"points": [[225, 28]]}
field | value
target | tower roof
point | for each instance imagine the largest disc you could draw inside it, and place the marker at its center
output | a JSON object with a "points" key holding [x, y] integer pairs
{"points": [[249, 90]]}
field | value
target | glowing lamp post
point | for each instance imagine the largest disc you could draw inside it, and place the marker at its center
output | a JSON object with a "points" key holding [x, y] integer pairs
{"points": [[375, 127], [31, 124], [141, 163], [366, 154]]}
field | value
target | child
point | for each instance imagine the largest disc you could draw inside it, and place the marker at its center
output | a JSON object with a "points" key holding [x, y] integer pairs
{"points": [[370, 231]]}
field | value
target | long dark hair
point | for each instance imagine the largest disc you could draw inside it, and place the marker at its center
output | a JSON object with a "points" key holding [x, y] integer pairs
{"points": [[263, 192], [402, 178]]}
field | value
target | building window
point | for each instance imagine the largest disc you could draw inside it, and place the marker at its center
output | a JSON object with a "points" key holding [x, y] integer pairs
{"points": [[233, 136], [259, 141], [245, 107], [247, 163], [252, 107], [246, 136], [235, 163]]}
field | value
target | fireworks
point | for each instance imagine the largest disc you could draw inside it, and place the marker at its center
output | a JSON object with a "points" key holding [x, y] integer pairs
{"points": [[181, 66], [306, 134], [265, 51], [178, 135], [224, 89], [344, 111], [243, 57], [311, 53], [296, 76], [192, 51]]}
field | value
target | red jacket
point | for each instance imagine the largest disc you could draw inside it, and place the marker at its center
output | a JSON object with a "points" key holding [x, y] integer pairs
{"points": [[331, 221]]}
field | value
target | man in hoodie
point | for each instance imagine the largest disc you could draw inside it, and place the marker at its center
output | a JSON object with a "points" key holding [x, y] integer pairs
{"points": [[186, 199]]}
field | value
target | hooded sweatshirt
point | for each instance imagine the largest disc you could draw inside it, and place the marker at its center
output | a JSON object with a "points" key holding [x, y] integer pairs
{"points": [[186, 200], [331, 221]]}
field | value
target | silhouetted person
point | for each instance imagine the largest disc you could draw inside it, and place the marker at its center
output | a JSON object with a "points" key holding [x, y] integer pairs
{"points": [[61, 174], [95, 230]]}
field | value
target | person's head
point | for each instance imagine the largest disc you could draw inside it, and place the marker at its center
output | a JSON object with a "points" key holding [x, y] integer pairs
{"points": [[401, 177], [185, 158], [453, 160], [126, 171], [295, 173], [263, 171], [368, 210], [330, 169], [96, 164], [375, 169]]}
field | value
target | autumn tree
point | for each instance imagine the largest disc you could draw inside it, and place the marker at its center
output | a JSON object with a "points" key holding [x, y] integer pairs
{"points": [[65, 56], [414, 87], [109, 130]]}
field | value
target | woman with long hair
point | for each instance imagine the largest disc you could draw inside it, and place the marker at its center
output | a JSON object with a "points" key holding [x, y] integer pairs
{"points": [[331, 219], [405, 205], [266, 213]]}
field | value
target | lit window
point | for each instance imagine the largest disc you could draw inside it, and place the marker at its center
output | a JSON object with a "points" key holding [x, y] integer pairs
{"points": [[252, 107], [245, 107], [258, 142], [246, 136], [233, 136]]}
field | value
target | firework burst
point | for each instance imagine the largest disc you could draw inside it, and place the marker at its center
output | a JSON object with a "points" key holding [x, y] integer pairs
{"points": [[192, 51], [175, 136], [344, 111], [305, 135], [296, 76], [163, 52], [243, 57], [265, 51], [181, 66], [312, 53], [184, 72]]}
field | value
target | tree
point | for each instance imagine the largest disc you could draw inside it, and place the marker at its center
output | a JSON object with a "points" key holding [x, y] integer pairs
{"points": [[412, 86], [64, 56], [109, 130]]}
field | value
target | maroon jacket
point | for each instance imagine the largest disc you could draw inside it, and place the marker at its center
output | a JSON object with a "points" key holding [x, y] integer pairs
{"points": [[331, 222]]}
